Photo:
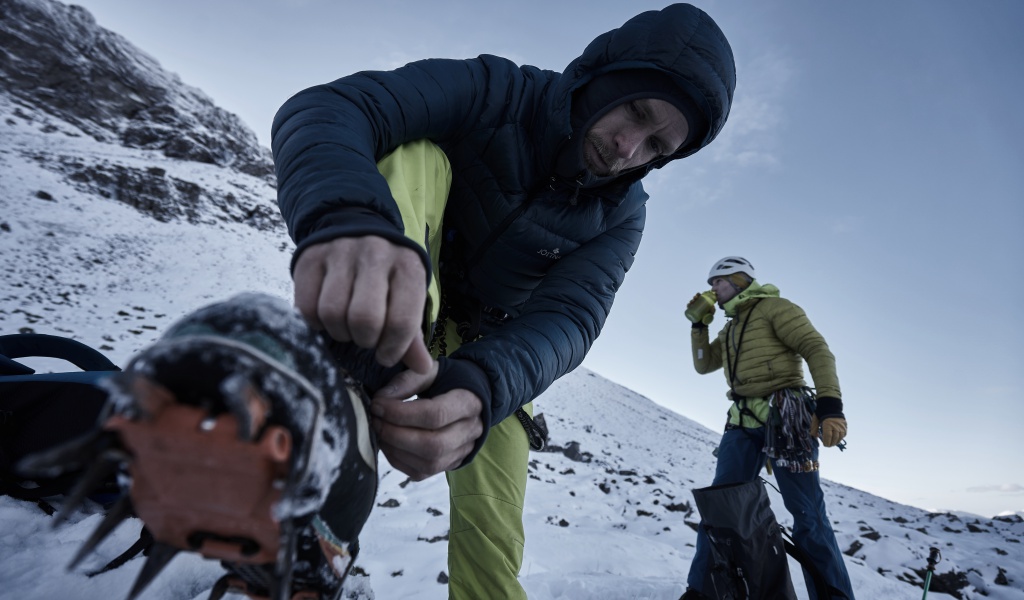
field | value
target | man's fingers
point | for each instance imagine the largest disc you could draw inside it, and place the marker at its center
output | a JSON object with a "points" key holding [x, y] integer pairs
{"points": [[833, 430], [428, 413], [417, 357], [308, 278], [418, 467], [323, 286], [406, 297], [366, 290], [397, 462], [405, 384], [430, 435], [366, 314], [333, 304]]}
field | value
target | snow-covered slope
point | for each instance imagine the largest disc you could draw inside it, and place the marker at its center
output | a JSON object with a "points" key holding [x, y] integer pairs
{"points": [[107, 239], [609, 515]]}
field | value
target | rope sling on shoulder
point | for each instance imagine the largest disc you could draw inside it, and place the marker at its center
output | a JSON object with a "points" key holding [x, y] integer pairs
{"points": [[732, 363]]}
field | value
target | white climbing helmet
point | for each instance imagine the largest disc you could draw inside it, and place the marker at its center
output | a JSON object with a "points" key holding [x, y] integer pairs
{"points": [[729, 265]]}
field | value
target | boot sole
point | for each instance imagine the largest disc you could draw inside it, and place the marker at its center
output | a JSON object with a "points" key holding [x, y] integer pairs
{"points": [[197, 482]]}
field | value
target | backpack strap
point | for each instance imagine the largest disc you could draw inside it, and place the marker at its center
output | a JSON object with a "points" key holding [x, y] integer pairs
{"points": [[40, 410], [10, 367], [20, 345]]}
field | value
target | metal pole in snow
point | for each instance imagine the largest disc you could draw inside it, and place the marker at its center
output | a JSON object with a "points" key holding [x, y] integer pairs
{"points": [[933, 558]]}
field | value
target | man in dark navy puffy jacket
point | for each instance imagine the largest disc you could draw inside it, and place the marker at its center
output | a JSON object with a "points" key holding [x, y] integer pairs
{"points": [[462, 227]]}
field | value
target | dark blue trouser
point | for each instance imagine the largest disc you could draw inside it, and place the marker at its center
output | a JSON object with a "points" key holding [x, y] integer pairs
{"points": [[740, 459]]}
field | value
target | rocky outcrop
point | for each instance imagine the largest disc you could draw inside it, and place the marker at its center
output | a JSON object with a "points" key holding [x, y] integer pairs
{"points": [[55, 57]]}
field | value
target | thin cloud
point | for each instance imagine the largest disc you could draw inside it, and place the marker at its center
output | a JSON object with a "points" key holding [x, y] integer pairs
{"points": [[689, 189], [758, 112], [1005, 488]]}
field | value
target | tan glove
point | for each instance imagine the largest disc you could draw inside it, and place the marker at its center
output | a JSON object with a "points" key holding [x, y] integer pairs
{"points": [[833, 430]]}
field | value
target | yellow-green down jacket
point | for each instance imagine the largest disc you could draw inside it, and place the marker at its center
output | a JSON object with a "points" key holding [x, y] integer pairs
{"points": [[775, 335]]}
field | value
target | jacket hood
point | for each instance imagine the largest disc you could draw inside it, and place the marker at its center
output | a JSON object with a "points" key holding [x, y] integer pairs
{"points": [[755, 290], [680, 41]]}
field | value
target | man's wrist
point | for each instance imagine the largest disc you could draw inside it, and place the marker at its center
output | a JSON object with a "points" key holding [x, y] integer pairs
{"points": [[455, 373], [827, 407]]}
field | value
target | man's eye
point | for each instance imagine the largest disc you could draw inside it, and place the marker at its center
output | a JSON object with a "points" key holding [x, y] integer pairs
{"points": [[655, 146], [635, 109]]}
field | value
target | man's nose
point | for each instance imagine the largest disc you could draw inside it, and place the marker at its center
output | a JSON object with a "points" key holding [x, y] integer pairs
{"points": [[627, 144]]}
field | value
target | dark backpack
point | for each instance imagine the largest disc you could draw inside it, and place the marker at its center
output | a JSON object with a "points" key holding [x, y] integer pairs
{"points": [[749, 547], [39, 411], [748, 555]]}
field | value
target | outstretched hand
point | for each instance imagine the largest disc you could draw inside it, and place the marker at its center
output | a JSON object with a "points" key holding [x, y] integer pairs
{"points": [[426, 436], [369, 291]]}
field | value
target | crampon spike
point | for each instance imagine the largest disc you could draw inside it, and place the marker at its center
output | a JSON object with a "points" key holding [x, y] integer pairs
{"points": [[105, 466], [159, 556], [220, 588], [181, 495], [117, 513], [286, 561], [227, 420], [66, 457]]}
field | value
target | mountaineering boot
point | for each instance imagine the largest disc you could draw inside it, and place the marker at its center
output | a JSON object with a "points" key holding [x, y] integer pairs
{"points": [[231, 433]]}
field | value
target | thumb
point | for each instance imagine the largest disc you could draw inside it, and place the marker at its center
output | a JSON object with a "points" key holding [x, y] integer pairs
{"points": [[418, 358], [408, 383]]}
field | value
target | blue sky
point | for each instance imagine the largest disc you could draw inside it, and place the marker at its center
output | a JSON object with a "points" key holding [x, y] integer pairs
{"points": [[872, 169]]}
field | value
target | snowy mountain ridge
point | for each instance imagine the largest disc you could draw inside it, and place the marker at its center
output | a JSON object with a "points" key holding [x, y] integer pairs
{"points": [[128, 199], [57, 59]]}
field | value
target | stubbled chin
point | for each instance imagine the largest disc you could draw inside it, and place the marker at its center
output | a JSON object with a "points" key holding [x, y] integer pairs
{"points": [[590, 158]]}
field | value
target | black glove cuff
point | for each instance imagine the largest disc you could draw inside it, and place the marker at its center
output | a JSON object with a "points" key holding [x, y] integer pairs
{"points": [[460, 374], [828, 407], [698, 325]]}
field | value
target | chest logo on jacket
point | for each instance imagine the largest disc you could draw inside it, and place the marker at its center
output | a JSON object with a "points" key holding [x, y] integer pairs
{"points": [[552, 254]]}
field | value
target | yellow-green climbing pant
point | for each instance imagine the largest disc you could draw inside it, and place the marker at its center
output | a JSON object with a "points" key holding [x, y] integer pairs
{"points": [[485, 544]]}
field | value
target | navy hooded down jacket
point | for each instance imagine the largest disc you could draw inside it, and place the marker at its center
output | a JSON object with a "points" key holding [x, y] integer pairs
{"points": [[535, 245]]}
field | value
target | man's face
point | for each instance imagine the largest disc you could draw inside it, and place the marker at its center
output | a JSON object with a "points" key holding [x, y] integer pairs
{"points": [[633, 134], [724, 290]]}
